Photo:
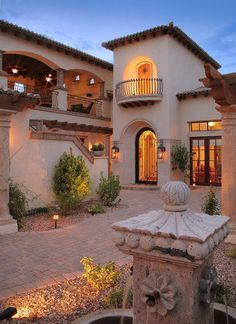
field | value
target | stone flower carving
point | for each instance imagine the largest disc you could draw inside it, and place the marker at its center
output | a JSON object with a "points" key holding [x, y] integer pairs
{"points": [[159, 293]]}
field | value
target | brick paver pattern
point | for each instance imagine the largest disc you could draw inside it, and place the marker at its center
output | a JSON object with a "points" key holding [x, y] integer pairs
{"points": [[37, 259]]}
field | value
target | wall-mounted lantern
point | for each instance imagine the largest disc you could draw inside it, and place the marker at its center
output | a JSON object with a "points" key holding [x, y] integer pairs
{"points": [[161, 150], [115, 152]]}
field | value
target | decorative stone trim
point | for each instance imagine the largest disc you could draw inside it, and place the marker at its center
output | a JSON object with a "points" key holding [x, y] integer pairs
{"points": [[159, 293], [63, 137]]}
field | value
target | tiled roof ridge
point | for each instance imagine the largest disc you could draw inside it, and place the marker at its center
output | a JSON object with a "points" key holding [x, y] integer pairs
{"points": [[7, 26], [193, 92], [170, 29]]}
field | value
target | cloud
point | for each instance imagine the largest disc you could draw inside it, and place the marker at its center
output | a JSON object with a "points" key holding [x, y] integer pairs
{"points": [[222, 46]]}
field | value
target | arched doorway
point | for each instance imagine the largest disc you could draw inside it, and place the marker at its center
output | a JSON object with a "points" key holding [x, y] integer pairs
{"points": [[146, 156]]}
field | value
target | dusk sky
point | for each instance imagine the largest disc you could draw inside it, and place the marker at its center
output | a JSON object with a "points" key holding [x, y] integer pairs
{"points": [[86, 24]]}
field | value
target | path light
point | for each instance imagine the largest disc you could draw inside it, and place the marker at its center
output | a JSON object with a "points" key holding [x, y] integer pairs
{"points": [[115, 152], [161, 150], [55, 218]]}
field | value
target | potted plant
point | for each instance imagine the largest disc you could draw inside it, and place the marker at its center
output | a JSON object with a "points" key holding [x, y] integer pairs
{"points": [[98, 149]]}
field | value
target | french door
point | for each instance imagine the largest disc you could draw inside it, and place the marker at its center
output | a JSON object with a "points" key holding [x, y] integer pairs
{"points": [[205, 167]]}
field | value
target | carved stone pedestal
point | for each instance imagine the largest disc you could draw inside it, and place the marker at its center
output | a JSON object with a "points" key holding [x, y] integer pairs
{"points": [[173, 274]]}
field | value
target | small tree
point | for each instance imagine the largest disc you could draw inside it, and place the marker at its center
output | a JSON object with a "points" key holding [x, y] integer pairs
{"points": [[211, 205], [71, 181], [17, 203], [180, 158], [109, 189]]}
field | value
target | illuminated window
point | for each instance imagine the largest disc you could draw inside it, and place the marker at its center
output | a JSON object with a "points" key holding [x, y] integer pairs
{"points": [[91, 81], [77, 78], [205, 126], [20, 87]]}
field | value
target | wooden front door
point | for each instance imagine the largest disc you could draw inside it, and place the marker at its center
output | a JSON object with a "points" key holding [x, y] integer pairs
{"points": [[206, 163], [146, 156], [144, 78]]}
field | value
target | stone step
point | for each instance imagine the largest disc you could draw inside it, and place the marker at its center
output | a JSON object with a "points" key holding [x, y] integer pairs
{"points": [[140, 187]]}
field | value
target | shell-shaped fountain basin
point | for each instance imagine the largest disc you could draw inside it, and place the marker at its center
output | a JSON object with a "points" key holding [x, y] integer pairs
{"points": [[174, 229]]}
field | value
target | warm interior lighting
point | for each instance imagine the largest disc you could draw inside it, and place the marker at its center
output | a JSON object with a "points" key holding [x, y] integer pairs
{"points": [[211, 124], [115, 152], [15, 70]]}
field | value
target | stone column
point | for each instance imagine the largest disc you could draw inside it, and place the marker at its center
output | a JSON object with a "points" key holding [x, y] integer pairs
{"points": [[3, 74], [173, 275], [7, 224], [228, 160], [102, 90], [59, 99]]}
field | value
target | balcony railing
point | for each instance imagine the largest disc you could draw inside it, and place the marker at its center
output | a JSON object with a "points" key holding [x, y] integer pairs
{"points": [[45, 93], [139, 89], [84, 105]]}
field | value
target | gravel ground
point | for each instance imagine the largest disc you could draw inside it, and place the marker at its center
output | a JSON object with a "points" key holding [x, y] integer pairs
{"points": [[44, 222], [226, 269], [74, 298], [59, 303]]}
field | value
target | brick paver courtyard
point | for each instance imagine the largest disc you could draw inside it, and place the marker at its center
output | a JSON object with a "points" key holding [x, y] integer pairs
{"points": [[36, 259]]}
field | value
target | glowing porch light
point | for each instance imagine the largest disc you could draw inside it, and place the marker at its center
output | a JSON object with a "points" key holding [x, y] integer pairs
{"points": [[161, 150], [48, 78], [14, 70], [115, 152]]}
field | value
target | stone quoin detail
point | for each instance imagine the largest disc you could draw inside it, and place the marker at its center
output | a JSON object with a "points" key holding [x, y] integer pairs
{"points": [[174, 230], [159, 293]]}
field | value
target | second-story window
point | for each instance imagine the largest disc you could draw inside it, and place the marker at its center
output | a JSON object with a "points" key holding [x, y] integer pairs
{"points": [[20, 87]]}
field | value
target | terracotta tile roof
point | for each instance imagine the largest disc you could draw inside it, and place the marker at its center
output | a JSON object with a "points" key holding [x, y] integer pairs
{"points": [[193, 93], [45, 41], [171, 30]]}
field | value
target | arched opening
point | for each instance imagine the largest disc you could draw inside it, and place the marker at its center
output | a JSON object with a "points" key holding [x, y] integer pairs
{"points": [[28, 74], [146, 156]]}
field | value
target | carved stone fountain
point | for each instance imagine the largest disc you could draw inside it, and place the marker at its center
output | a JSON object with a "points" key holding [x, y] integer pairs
{"points": [[173, 273]]}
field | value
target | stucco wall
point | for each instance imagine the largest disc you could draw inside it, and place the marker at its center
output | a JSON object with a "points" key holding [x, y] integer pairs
{"points": [[33, 161], [197, 109], [180, 70]]}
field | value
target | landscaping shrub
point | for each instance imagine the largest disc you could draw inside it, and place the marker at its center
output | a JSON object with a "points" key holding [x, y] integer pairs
{"points": [[17, 203], [71, 181], [180, 158], [211, 204], [96, 209], [98, 147], [109, 189], [223, 295], [115, 298], [232, 253], [100, 277]]}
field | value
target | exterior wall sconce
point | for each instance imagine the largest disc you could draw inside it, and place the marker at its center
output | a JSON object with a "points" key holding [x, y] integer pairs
{"points": [[115, 152], [161, 151]]}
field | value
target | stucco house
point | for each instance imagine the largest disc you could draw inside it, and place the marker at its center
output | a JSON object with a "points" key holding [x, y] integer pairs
{"points": [[158, 101]]}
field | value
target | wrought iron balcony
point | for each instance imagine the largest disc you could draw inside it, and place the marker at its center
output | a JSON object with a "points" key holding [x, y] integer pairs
{"points": [[139, 92]]}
